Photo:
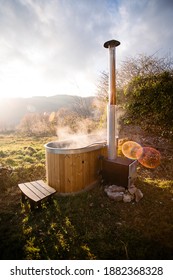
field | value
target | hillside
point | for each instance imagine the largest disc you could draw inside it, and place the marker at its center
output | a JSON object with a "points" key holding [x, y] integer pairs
{"points": [[12, 110]]}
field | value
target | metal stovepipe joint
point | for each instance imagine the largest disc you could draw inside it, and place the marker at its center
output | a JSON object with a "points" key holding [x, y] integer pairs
{"points": [[111, 107]]}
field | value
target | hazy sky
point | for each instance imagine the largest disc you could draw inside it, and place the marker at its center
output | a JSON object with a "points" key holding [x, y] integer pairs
{"points": [[50, 47]]}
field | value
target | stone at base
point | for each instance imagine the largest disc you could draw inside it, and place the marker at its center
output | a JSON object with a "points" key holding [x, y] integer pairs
{"points": [[117, 196], [127, 198], [138, 195], [132, 189], [114, 188]]}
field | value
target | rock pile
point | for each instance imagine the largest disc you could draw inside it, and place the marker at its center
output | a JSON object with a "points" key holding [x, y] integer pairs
{"points": [[118, 193]]}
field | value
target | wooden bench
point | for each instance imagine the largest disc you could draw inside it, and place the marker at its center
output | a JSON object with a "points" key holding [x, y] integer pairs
{"points": [[36, 191]]}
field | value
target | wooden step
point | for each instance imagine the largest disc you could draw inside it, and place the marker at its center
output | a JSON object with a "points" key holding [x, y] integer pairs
{"points": [[36, 190]]}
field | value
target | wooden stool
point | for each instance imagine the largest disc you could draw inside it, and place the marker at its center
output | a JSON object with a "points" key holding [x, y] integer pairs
{"points": [[36, 191]]}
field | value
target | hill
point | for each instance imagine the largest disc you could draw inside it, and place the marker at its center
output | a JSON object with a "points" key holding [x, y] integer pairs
{"points": [[12, 110]]}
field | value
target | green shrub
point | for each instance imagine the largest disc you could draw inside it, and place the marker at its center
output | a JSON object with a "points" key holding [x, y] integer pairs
{"points": [[150, 99]]}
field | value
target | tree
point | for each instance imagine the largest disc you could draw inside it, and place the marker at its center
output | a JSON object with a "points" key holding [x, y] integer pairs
{"points": [[102, 87], [70, 122], [82, 107], [36, 124], [142, 66], [150, 99], [67, 118]]}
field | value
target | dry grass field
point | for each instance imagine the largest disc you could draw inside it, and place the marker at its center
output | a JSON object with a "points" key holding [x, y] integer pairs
{"points": [[87, 225]]}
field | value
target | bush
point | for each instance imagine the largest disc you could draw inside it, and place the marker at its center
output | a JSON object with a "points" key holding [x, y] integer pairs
{"points": [[150, 99]]}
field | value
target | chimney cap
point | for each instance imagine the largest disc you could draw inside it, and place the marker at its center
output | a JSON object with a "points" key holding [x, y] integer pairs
{"points": [[111, 43]]}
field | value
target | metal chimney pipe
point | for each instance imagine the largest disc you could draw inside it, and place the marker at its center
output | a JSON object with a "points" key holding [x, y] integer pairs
{"points": [[111, 107]]}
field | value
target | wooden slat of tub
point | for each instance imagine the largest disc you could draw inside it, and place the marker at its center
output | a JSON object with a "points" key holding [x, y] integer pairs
{"points": [[91, 160], [66, 172], [48, 167], [75, 171], [96, 165], [85, 170], [98, 161], [49, 156], [75, 180], [90, 156], [67, 178], [57, 173], [91, 166], [78, 172], [57, 178], [72, 175], [84, 159], [62, 173], [77, 168], [54, 171]]}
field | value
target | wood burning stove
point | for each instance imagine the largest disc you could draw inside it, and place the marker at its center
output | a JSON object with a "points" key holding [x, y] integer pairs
{"points": [[119, 171], [115, 170]]}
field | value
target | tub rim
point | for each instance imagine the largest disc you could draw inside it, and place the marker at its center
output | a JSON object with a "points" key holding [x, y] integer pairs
{"points": [[88, 148]]}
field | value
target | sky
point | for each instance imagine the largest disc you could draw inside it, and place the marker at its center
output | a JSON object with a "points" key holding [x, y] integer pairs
{"points": [[50, 47]]}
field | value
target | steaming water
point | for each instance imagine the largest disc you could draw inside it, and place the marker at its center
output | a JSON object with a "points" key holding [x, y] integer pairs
{"points": [[68, 140], [80, 141]]}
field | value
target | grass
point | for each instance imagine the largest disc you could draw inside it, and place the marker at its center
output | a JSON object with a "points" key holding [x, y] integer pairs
{"points": [[16, 150], [84, 226]]}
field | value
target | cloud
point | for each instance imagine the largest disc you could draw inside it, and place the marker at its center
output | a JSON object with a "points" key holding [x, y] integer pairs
{"points": [[61, 41], [145, 26]]}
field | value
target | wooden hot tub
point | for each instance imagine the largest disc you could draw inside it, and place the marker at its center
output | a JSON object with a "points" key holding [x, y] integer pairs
{"points": [[73, 169]]}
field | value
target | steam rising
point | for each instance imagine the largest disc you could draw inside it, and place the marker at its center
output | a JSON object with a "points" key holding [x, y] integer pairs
{"points": [[79, 139], [85, 135]]}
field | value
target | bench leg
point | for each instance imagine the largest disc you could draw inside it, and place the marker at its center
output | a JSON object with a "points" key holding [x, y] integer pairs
{"points": [[32, 204], [39, 204], [23, 197], [50, 199]]}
